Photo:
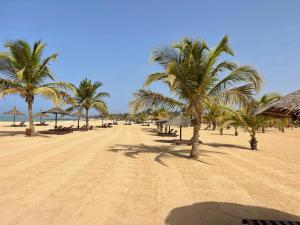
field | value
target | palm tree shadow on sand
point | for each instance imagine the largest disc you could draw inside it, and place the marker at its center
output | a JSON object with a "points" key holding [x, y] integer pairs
{"points": [[223, 213], [19, 133], [162, 152]]}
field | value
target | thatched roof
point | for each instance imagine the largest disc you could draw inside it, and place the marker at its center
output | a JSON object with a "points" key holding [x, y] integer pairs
{"points": [[56, 110], [288, 106], [180, 120], [14, 111], [77, 114], [40, 114]]}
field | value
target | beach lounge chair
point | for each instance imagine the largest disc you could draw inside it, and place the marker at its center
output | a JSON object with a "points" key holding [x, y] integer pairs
{"points": [[41, 124], [79, 128], [270, 222], [182, 142], [171, 134], [22, 124]]}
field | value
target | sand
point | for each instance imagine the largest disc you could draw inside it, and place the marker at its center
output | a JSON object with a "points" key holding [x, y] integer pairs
{"points": [[128, 175]]}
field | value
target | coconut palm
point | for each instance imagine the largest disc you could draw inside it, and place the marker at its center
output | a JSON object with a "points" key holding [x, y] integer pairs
{"points": [[192, 71], [88, 97], [23, 71], [265, 99], [250, 123]]}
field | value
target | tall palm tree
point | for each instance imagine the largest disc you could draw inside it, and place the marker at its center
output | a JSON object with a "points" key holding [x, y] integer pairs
{"points": [[23, 71], [87, 97], [192, 71]]}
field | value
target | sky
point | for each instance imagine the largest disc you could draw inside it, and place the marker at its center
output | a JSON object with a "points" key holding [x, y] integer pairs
{"points": [[111, 41]]}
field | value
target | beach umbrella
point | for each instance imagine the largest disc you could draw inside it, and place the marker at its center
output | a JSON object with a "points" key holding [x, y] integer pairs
{"points": [[56, 111], [41, 115], [78, 114], [287, 106], [15, 113], [181, 121]]}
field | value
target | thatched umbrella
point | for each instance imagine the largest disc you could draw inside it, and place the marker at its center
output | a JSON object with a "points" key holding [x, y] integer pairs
{"points": [[56, 111], [180, 121], [287, 106], [41, 115], [15, 113], [77, 114]]}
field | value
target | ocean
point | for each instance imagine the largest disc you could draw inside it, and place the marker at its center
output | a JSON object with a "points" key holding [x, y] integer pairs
{"points": [[5, 118]]}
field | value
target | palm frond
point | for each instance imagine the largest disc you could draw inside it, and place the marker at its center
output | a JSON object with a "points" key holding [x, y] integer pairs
{"points": [[145, 99]]}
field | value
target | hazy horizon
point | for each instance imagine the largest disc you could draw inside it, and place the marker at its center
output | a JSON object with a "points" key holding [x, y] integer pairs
{"points": [[111, 41]]}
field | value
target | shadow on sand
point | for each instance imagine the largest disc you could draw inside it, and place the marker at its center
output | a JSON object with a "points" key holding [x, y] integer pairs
{"points": [[223, 213], [19, 133], [161, 152], [218, 145]]}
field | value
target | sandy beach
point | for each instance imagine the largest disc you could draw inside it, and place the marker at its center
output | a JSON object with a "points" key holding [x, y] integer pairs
{"points": [[128, 175]]}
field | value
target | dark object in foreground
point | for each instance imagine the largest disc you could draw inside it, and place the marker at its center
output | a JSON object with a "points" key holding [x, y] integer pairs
{"points": [[269, 222]]}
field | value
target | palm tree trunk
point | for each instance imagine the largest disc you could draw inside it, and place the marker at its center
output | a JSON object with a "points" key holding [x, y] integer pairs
{"points": [[30, 117], [87, 118], [214, 123], [195, 141], [221, 131], [253, 142], [263, 130], [235, 131]]}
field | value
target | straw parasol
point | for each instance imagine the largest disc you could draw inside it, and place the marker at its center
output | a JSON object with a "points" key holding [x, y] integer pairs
{"points": [[41, 115], [15, 113], [77, 114], [287, 106], [56, 111], [180, 121]]}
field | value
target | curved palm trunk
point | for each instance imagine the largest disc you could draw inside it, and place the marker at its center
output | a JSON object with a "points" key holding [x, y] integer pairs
{"points": [[208, 126], [87, 118], [30, 117]]}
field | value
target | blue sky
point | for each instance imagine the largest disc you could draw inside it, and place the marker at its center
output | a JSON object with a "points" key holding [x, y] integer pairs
{"points": [[111, 41]]}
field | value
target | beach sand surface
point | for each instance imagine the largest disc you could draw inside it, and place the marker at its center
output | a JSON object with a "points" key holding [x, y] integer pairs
{"points": [[128, 175]]}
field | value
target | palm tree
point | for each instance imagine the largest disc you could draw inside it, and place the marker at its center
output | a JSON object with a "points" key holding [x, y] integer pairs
{"points": [[265, 99], [87, 97], [250, 123], [25, 72], [192, 71]]}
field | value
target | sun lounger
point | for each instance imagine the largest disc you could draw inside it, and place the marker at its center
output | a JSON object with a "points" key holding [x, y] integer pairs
{"points": [[270, 222], [83, 127], [183, 142], [41, 124], [59, 130], [22, 124], [168, 134]]}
